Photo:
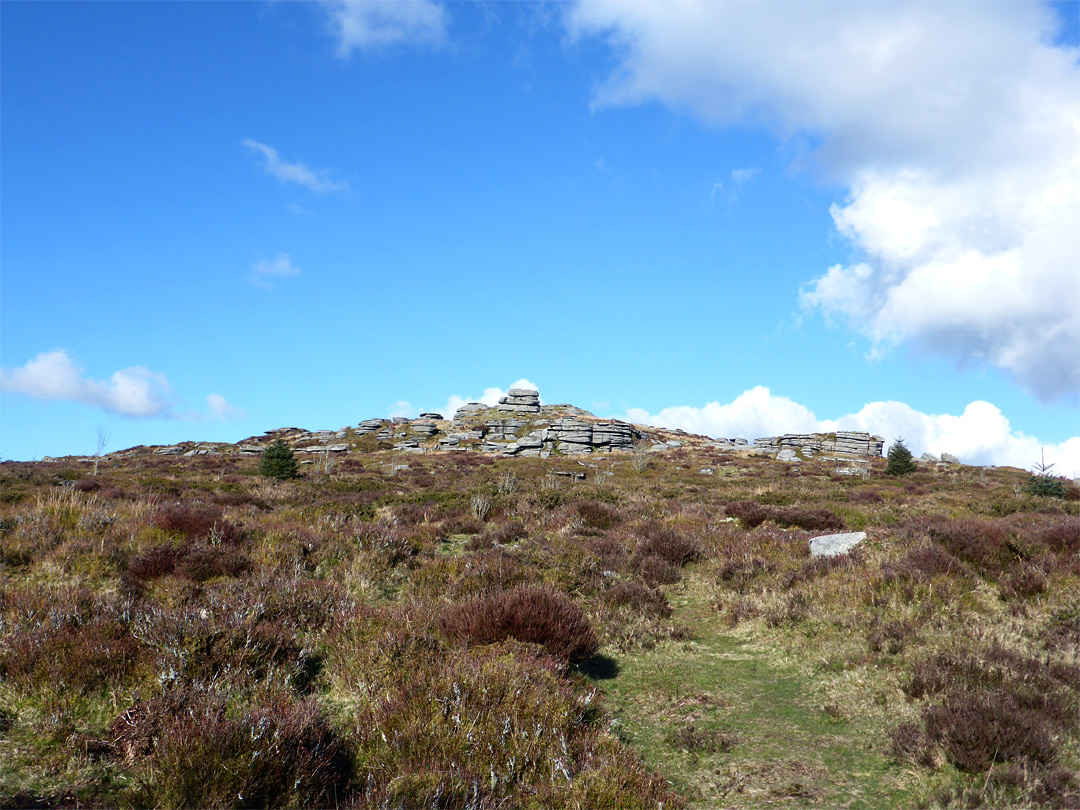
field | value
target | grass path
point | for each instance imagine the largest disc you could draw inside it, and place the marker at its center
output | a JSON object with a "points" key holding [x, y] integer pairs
{"points": [[733, 726]]}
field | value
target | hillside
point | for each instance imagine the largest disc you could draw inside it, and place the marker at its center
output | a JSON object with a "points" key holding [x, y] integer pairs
{"points": [[534, 607]]}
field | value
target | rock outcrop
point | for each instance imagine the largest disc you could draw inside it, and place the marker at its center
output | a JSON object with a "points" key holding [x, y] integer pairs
{"points": [[851, 442], [521, 400]]}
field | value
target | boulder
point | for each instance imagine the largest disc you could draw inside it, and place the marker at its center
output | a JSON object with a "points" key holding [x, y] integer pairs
{"points": [[786, 454], [830, 545], [435, 416], [948, 458], [469, 408], [522, 400], [928, 458]]}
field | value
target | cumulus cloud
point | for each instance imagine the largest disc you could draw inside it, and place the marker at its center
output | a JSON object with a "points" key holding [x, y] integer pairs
{"points": [[364, 24], [754, 413], [955, 128], [280, 266], [135, 391], [980, 435], [297, 172]]}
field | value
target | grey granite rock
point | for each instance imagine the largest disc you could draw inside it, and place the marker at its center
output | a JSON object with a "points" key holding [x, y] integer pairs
{"points": [[949, 458], [829, 545]]}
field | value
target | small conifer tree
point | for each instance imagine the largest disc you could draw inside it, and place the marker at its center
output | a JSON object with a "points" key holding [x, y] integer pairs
{"points": [[1043, 482], [900, 461], [278, 462]]}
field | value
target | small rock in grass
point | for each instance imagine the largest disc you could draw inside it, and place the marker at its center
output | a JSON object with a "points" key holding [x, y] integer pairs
{"points": [[829, 545]]}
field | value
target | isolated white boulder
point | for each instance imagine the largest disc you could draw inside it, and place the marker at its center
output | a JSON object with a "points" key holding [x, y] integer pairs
{"points": [[829, 545]]}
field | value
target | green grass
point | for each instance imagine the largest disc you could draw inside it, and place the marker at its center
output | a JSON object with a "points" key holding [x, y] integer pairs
{"points": [[786, 747]]}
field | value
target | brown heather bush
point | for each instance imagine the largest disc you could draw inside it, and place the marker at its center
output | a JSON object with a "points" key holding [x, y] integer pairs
{"points": [[980, 543], [891, 636], [752, 514], [669, 545], [533, 615], [459, 523], [924, 562], [749, 514], [187, 749], [70, 659], [87, 485], [508, 532], [598, 515], [197, 563], [655, 570], [639, 598], [197, 521], [1022, 581], [494, 727], [977, 730]]}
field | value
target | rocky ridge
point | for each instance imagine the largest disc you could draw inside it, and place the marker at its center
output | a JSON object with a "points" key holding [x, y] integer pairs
{"points": [[519, 425]]}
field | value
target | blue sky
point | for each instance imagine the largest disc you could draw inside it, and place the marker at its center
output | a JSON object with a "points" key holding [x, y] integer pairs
{"points": [[740, 219]]}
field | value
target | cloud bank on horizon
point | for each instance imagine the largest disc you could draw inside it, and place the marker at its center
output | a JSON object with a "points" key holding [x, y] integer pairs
{"points": [[955, 128], [980, 435], [135, 392]]}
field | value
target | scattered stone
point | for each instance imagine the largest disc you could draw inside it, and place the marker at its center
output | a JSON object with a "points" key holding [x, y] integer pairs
{"points": [[706, 471], [175, 451], [830, 545], [250, 450], [573, 475], [851, 471]]}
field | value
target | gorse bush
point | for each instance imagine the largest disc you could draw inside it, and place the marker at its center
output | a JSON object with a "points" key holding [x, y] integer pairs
{"points": [[278, 462]]}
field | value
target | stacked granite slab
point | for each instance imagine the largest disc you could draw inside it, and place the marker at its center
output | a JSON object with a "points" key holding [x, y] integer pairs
{"points": [[368, 426], [577, 437], [468, 409], [521, 400], [855, 443], [504, 429], [423, 429]]}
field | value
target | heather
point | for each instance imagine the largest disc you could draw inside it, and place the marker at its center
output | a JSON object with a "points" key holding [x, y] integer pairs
{"points": [[452, 630]]}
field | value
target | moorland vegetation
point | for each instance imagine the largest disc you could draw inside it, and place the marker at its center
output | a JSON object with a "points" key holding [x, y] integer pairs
{"points": [[455, 630]]}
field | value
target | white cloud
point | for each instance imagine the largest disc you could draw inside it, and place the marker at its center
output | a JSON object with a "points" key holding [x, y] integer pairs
{"points": [[366, 24], [221, 410], [954, 127], [297, 172], [401, 408], [980, 435], [741, 176], [135, 391], [280, 266]]}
